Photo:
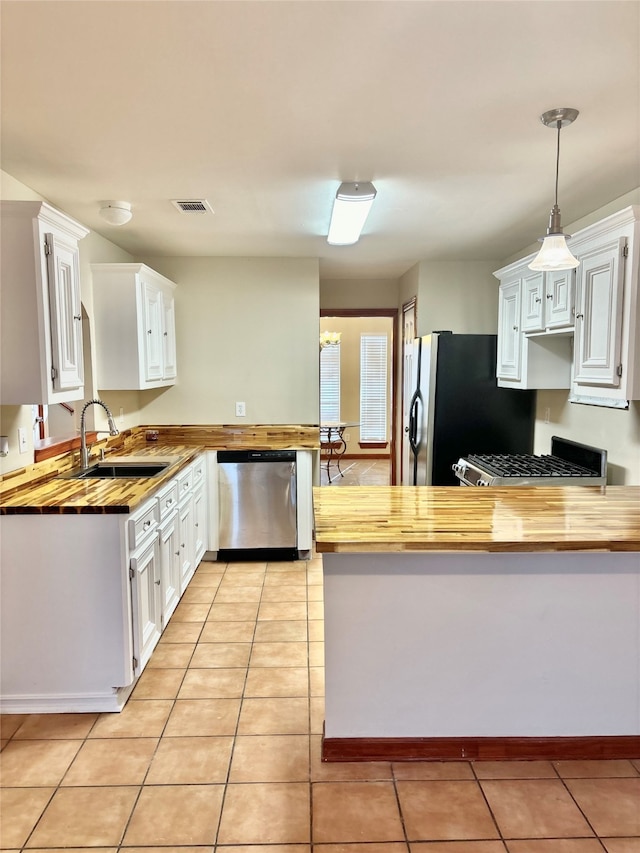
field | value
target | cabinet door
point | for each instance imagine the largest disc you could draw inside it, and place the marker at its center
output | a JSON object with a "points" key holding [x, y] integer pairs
{"points": [[200, 532], [169, 367], [598, 332], [169, 567], [65, 313], [152, 315], [509, 335], [145, 593], [185, 533], [533, 306], [559, 287]]}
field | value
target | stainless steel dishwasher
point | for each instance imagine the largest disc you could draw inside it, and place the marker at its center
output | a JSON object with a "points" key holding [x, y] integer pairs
{"points": [[257, 501]]}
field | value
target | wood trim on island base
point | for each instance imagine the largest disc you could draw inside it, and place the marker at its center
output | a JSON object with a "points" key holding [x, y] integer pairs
{"points": [[481, 748]]}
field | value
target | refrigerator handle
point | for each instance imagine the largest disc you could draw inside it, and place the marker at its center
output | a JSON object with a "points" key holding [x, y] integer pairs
{"points": [[413, 421]]}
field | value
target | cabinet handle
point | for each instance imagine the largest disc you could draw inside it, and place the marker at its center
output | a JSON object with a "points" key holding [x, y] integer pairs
{"points": [[146, 525], [538, 299], [166, 334], [177, 553], [515, 328], [157, 583], [182, 546], [77, 316], [579, 316], [148, 331], [197, 524], [549, 295], [169, 501]]}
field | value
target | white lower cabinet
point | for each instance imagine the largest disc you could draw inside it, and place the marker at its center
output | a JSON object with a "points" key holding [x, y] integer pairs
{"points": [[200, 537], [85, 598], [186, 537], [144, 573], [169, 566]]}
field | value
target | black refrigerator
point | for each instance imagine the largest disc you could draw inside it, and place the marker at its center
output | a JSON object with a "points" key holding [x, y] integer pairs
{"points": [[458, 409]]}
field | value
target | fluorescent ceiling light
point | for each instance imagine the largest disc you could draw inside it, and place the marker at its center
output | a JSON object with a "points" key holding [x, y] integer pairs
{"points": [[350, 210]]}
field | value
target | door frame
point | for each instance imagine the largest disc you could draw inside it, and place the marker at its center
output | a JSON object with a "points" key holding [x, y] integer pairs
{"points": [[393, 314], [411, 306]]}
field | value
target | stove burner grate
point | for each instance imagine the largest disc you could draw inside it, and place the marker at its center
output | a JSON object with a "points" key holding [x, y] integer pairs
{"points": [[524, 465]]}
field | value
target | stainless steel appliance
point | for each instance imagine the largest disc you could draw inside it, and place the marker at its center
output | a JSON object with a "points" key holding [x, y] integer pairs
{"points": [[570, 464], [457, 407], [257, 503]]}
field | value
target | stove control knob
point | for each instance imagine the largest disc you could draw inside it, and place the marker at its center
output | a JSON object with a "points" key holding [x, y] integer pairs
{"points": [[481, 482]]}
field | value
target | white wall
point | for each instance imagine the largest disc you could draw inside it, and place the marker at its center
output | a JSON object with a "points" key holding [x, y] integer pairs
{"points": [[460, 296], [247, 330], [359, 293]]}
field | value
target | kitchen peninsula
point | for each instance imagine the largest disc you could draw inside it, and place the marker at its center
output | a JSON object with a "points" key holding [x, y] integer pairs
{"points": [[480, 623]]}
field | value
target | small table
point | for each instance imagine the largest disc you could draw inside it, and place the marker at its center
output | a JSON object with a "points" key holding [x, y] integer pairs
{"points": [[332, 439]]}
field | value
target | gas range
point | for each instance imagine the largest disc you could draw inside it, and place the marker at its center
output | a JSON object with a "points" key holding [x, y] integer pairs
{"points": [[570, 464]]}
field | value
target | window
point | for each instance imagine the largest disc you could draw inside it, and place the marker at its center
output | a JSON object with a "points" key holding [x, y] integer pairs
{"points": [[373, 388], [330, 384]]}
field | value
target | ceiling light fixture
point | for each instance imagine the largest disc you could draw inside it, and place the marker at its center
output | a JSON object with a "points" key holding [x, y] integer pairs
{"points": [[116, 212], [350, 210], [554, 253], [329, 339]]}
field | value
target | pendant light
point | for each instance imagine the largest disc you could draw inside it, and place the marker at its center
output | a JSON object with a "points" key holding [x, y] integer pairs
{"points": [[554, 254]]}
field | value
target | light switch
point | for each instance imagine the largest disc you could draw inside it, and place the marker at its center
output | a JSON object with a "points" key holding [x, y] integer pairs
{"points": [[22, 440]]}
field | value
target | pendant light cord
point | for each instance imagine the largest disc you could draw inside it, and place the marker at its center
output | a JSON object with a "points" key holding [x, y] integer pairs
{"points": [[558, 161]]}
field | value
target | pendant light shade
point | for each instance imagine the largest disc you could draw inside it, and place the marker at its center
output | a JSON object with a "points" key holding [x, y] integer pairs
{"points": [[554, 253]]}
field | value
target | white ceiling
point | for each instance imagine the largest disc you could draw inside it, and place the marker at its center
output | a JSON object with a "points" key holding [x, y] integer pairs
{"points": [[263, 108]]}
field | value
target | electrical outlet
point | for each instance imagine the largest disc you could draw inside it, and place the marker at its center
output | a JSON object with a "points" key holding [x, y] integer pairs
{"points": [[346, 436], [22, 440], [547, 415], [241, 410], [121, 416]]}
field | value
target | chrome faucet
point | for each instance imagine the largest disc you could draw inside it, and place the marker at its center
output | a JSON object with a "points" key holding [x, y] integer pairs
{"points": [[113, 430]]}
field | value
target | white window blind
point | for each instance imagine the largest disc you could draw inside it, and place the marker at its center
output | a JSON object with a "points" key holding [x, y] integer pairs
{"points": [[373, 388], [330, 384]]}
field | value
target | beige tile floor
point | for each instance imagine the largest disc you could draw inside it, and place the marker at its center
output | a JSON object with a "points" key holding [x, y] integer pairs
{"points": [[219, 747]]}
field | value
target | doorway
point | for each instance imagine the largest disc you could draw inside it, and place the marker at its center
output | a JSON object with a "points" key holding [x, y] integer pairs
{"points": [[358, 396]]}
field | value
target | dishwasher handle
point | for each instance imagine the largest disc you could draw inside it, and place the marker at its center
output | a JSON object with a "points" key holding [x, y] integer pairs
{"points": [[256, 456]]}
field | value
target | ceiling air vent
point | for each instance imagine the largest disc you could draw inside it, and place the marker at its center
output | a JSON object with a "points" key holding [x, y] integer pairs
{"points": [[192, 205]]}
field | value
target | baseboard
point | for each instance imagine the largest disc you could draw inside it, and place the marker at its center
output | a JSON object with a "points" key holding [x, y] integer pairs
{"points": [[382, 457], [113, 700], [481, 748]]}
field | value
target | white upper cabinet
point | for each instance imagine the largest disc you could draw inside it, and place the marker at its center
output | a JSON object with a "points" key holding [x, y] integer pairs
{"points": [[525, 360], [607, 349], [509, 336], [42, 360], [577, 329], [599, 316], [547, 299], [135, 327]]}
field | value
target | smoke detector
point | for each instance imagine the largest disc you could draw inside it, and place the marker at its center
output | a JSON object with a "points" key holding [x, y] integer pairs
{"points": [[192, 205]]}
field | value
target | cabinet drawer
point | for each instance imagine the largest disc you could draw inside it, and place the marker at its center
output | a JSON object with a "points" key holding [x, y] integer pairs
{"points": [[142, 523], [185, 482], [198, 468], [168, 500]]}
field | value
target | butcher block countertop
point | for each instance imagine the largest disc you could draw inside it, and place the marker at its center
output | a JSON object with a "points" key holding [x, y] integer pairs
{"points": [[55, 495], [358, 519], [42, 489]]}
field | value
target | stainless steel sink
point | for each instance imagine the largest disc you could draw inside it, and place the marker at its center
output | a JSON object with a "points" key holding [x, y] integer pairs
{"points": [[119, 469]]}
